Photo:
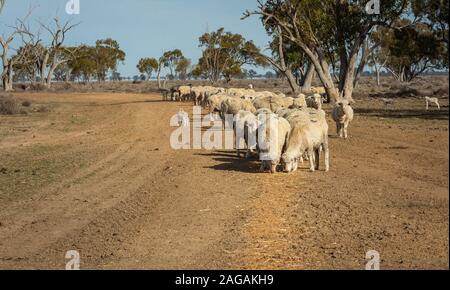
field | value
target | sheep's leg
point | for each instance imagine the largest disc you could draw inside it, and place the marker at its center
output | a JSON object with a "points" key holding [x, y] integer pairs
{"points": [[327, 156], [263, 166], [317, 158], [311, 162], [295, 165], [273, 167], [427, 106], [203, 100], [439, 106]]}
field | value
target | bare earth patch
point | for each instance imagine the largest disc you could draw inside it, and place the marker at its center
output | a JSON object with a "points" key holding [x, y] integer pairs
{"points": [[96, 174]]}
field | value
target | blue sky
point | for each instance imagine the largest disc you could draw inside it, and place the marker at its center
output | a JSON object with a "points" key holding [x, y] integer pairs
{"points": [[144, 28]]}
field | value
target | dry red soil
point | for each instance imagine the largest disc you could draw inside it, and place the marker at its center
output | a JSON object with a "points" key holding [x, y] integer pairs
{"points": [[97, 174]]}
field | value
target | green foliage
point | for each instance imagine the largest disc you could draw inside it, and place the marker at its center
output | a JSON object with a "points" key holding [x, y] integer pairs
{"points": [[409, 49], [182, 68], [96, 61], [84, 65], [2, 3], [107, 56], [329, 32], [224, 53], [170, 60], [434, 13], [147, 66]]}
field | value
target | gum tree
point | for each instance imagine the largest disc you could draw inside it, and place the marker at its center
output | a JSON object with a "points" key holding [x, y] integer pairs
{"points": [[340, 26], [147, 66], [224, 54]]}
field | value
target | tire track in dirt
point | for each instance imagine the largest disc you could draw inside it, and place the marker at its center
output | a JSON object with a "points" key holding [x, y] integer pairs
{"points": [[65, 209]]}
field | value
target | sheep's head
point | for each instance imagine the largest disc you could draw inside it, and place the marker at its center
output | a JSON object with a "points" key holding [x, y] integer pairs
{"points": [[290, 162]]}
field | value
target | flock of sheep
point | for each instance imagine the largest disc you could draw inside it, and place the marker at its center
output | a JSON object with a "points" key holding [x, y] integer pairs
{"points": [[302, 129]]}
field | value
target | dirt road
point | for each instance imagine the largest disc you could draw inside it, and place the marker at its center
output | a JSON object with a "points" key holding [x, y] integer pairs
{"points": [[96, 174]]}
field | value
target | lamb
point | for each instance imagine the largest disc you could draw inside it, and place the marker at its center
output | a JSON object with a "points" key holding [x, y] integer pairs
{"points": [[429, 100], [309, 134], [277, 131], [342, 114]]}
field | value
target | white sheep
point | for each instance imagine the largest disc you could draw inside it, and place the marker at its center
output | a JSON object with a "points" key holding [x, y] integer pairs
{"points": [[342, 114], [276, 133], [234, 105], [300, 102], [197, 94], [209, 91], [215, 102], [262, 102], [309, 135], [184, 92], [429, 101]]}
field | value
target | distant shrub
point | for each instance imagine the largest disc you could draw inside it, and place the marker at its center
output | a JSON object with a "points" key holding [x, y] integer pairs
{"points": [[38, 87], [9, 105], [68, 86], [26, 103]]}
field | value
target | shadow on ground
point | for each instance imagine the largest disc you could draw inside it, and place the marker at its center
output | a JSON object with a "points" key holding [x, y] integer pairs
{"points": [[230, 162], [406, 113]]}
